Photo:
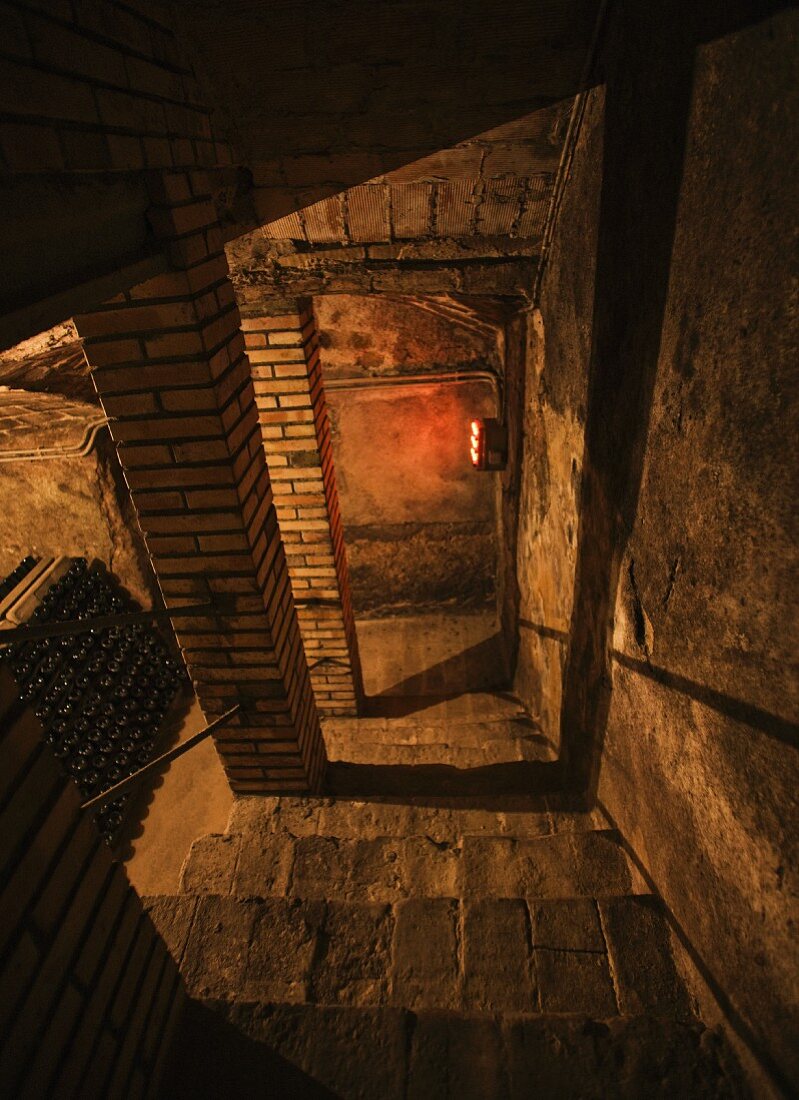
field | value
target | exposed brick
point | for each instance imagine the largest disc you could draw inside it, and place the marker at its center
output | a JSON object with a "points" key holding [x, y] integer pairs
{"points": [[296, 388], [160, 407], [47, 95]]}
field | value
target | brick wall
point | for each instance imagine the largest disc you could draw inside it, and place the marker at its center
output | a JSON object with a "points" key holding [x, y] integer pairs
{"points": [[84, 976], [173, 377], [95, 97], [287, 378], [99, 86]]}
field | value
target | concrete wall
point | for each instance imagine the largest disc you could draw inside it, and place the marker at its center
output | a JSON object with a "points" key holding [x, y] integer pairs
{"points": [[656, 550], [420, 524]]}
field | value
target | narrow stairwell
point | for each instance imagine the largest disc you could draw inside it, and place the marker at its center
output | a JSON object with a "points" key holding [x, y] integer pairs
{"points": [[419, 948], [437, 926]]}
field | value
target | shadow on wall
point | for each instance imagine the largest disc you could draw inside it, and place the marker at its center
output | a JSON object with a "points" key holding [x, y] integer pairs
{"points": [[694, 756], [481, 667], [639, 197]]}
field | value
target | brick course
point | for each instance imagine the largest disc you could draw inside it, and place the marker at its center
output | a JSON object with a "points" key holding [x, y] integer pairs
{"points": [[105, 88], [168, 359], [289, 395]]}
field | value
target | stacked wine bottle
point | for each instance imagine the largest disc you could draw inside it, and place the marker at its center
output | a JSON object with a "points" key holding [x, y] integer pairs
{"points": [[12, 580], [100, 694]]}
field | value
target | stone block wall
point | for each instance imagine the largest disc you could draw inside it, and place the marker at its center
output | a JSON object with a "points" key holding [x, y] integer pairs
{"points": [[89, 995], [289, 395]]}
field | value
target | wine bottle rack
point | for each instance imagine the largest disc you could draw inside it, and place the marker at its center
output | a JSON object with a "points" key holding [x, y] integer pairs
{"points": [[9, 583], [101, 694]]}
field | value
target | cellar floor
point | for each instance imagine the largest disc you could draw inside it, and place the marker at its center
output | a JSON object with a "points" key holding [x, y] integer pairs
{"points": [[420, 661]]}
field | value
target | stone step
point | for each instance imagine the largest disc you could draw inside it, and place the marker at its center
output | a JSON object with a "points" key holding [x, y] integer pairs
{"points": [[392, 753], [427, 728], [461, 713], [540, 776], [434, 748], [440, 818], [455, 706], [311, 1053], [388, 869], [597, 957]]}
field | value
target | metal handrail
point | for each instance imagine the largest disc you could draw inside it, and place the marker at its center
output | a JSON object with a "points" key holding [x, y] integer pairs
{"points": [[165, 758]]}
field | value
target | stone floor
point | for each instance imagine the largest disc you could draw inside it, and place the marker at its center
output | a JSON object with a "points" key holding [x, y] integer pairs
{"points": [[189, 798], [413, 950], [426, 665], [428, 946]]}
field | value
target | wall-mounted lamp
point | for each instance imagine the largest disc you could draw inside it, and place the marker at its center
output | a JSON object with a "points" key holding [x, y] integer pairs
{"points": [[488, 444]]}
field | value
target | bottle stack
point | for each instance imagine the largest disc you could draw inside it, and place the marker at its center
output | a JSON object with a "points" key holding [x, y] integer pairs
{"points": [[100, 694], [12, 580]]}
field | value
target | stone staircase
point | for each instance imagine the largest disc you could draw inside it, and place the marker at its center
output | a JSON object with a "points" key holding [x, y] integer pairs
{"points": [[424, 745], [422, 948], [483, 729]]}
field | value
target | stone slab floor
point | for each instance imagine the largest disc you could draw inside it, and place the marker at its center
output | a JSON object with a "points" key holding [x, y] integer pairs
{"points": [[423, 662], [424, 947]]}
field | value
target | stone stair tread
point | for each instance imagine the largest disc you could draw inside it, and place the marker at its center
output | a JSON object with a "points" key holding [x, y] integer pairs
{"points": [[440, 817], [515, 777], [420, 708], [606, 957], [386, 868], [515, 724], [310, 1053], [499, 751]]}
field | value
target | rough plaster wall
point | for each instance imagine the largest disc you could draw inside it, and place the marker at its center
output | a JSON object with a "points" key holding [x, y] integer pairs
{"points": [[700, 766], [77, 506], [420, 524], [554, 424], [509, 482], [362, 335], [708, 793]]}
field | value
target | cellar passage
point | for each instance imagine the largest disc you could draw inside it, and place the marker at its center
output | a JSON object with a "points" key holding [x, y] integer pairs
{"points": [[388, 396]]}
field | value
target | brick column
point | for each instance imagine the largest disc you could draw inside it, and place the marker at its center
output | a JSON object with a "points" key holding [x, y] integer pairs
{"points": [[284, 353], [172, 374]]}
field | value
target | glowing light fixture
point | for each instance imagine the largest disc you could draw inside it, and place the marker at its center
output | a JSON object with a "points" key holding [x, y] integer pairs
{"points": [[488, 444]]}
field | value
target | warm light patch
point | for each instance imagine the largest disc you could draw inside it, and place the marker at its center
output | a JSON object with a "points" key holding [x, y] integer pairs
{"points": [[476, 443], [488, 444]]}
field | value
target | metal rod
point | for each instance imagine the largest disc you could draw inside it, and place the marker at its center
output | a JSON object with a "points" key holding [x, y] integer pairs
{"points": [[28, 633], [165, 758], [329, 661]]}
